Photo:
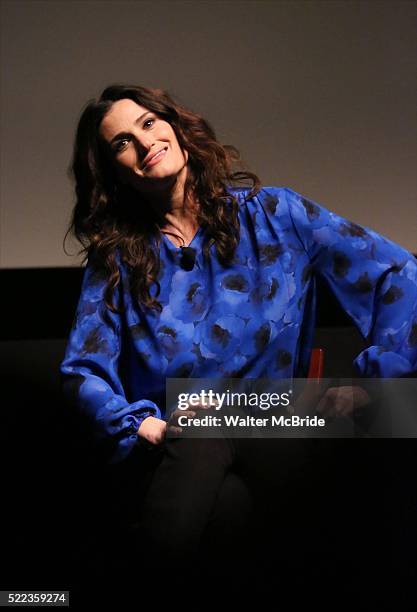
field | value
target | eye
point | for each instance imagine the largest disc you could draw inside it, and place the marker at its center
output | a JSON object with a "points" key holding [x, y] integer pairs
{"points": [[120, 144], [148, 121]]}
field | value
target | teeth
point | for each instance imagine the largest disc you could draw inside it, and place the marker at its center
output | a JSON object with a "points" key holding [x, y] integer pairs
{"points": [[157, 155]]}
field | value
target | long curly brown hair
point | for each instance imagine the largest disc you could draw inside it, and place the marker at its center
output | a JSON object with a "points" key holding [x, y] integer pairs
{"points": [[104, 218]]}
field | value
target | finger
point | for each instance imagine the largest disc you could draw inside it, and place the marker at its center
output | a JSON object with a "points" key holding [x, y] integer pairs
{"points": [[180, 412], [174, 430], [323, 406], [344, 401], [206, 405], [360, 397], [332, 402], [341, 402], [187, 413], [173, 419], [348, 407]]}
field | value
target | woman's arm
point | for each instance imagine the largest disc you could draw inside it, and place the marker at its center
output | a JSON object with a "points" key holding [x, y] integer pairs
{"points": [[374, 280], [89, 373]]}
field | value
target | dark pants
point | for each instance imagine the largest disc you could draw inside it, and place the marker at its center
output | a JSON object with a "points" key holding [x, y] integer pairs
{"points": [[325, 509], [198, 505], [217, 502]]}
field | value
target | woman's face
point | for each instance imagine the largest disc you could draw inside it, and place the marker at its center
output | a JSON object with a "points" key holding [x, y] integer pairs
{"points": [[144, 148]]}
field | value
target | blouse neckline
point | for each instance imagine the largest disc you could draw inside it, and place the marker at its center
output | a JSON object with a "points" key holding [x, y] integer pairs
{"points": [[176, 249]]}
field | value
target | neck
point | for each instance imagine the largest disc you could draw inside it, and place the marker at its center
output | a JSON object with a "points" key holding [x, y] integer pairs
{"points": [[175, 213], [180, 223]]}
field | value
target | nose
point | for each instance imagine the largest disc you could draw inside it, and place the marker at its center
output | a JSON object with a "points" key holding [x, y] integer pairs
{"points": [[144, 143], [143, 147]]}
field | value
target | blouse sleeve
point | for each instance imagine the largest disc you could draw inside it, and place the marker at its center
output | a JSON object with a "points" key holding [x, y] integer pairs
{"points": [[89, 370], [373, 279]]}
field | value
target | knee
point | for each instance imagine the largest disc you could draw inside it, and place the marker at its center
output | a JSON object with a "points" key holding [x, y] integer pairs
{"points": [[200, 450]]}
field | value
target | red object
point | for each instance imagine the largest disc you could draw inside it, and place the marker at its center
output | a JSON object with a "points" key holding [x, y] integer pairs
{"points": [[316, 364]]}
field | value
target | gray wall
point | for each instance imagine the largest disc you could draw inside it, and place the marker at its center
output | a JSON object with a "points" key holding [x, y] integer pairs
{"points": [[318, 96]]}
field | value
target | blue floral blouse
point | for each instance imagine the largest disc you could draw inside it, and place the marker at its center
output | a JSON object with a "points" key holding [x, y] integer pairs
{"points": [[252, 319]]}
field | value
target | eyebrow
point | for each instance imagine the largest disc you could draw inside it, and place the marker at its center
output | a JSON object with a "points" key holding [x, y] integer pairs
{"points": [[121, 135]]}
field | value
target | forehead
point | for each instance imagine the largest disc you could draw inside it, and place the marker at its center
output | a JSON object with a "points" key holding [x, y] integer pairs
{"points": [[120, 117]]}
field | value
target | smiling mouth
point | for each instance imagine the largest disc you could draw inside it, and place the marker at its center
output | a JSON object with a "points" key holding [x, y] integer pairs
{"points": [[156, 158]]}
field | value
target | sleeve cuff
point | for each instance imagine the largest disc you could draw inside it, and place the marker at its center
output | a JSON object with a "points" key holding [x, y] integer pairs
{"points": [[378, 362]]}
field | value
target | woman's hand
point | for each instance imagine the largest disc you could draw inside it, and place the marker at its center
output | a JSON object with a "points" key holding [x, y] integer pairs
{"points": [[152, 429], [333, 402], [173, 426], [342, 401]]}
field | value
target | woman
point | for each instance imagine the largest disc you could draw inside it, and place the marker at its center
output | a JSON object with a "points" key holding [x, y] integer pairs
{"points": [[189, 276]]}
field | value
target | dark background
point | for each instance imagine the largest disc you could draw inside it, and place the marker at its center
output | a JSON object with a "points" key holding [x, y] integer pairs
{"points": [[319, 96], [353, 502]]}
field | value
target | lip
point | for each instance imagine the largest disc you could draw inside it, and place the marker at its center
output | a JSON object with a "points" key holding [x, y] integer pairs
{"points": [[152, 161]]}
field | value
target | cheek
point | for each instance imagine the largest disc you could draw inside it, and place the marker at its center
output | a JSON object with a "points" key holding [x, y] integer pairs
{"points": [[170, 135], [180, 154], [127, 161], [123, 170]]}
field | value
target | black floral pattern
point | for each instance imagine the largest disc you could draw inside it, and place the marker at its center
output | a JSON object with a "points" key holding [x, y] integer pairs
{"points": [[243, 320]]}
